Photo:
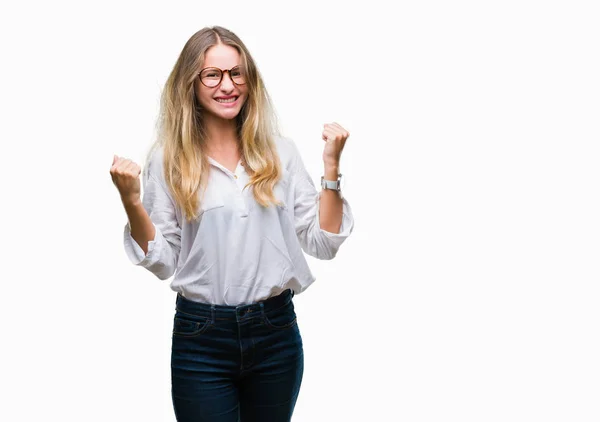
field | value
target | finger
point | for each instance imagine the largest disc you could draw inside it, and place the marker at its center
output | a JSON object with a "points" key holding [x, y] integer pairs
{"points": [[132, 169], [342, 129], [123, 164], [115, 163], [119, 162], [136, 170], [328, 126], [336, 127], [339, 127], [331, 134]]}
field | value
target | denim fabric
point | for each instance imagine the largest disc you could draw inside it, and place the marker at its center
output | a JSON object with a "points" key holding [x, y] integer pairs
{"points": [[236, 363]]}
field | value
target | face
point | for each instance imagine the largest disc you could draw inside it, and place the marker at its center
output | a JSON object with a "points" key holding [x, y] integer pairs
{"points": [[226, 99]]}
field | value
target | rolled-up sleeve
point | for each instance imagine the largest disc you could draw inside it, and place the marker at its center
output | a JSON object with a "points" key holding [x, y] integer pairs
{"points": [[314, 240], [163, 250]]}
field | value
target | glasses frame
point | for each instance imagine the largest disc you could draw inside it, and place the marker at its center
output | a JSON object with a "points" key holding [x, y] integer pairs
{"points": [[222, 73]]}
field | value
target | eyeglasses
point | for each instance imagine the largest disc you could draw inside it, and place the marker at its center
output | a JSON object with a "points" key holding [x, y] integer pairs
{"points": [[212, 76]]}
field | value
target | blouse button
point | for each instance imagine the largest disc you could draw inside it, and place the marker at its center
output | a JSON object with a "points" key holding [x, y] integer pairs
{"points": [[235, 175]]}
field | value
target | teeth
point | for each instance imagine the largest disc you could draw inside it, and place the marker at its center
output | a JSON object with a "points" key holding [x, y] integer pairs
{"points": [[230, 100]]}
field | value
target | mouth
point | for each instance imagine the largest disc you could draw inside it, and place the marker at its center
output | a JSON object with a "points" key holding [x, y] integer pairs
{"points": [[227, 101]]}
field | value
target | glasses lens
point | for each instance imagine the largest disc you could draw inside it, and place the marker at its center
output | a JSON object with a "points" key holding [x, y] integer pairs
{"points": [[211, 77], [238, 75]]}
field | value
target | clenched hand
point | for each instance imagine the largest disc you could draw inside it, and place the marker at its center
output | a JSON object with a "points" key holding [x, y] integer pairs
{"points": [[125, 175]]}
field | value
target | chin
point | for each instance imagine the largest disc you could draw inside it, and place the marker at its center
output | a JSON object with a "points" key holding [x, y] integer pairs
{"points": [[227, 116]]}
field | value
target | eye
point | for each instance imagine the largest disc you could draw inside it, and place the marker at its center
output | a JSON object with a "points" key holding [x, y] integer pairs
{"points": [[211, 73]]}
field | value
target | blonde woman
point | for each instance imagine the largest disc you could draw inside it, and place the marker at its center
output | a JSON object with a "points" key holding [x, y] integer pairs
{"points": [[228, 210]]}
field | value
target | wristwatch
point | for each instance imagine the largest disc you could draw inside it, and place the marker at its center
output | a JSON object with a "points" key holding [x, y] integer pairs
{"points": [[332, 184]]}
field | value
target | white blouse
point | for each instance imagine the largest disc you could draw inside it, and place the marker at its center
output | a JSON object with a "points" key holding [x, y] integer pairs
{"points": [[237, 252]]}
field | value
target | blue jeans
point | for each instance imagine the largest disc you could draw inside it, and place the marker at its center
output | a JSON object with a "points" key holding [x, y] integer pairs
{"points": [[236, 363]]}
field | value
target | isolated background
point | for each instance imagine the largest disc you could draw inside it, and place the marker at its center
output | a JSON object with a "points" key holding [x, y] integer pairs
{"points": [[469, 289]]}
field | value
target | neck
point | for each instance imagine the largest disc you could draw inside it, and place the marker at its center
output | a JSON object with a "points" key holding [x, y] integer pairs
{"points": [[221, 133]]}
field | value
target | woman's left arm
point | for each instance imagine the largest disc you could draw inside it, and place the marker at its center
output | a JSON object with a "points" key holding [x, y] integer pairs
{"points": [[323, 219], [330, 216]]}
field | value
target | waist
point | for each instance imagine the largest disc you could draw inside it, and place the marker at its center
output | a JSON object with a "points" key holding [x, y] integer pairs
{"points": [[233, 312]]}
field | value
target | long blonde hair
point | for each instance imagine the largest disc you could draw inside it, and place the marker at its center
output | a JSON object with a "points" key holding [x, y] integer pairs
{"points": [[182, 134]]}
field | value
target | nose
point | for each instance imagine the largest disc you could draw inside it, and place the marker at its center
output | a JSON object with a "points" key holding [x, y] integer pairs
{"points": [[227, 84]]}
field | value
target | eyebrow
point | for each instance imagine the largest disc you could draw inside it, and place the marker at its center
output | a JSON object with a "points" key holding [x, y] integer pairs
{"points": [[217, 67]]}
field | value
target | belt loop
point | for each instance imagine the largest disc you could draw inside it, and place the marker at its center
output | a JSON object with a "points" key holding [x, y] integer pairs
{"points": [[212, 313]]}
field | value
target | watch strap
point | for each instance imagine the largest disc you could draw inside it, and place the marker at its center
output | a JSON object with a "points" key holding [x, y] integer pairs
{"points": [[331, 184]]}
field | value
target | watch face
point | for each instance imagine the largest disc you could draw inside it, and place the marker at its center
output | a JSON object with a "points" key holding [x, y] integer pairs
{"points": [[332, 183]]}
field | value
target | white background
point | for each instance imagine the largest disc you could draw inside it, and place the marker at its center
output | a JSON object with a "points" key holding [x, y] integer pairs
{"points": [[469, 289]]}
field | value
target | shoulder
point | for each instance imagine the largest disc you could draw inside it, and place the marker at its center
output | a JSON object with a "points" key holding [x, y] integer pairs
{"points": [[155, 163], [153, 173], [289, 155]]}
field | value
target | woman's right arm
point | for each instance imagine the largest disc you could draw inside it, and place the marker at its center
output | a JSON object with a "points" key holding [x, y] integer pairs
{"points": [[152, 235], [140, 225]]}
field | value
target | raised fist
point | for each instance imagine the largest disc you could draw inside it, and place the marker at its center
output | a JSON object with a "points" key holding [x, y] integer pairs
{"points": [[125, 175]]}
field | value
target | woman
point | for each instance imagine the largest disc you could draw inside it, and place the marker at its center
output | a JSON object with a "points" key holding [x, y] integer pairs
{"points": [[228, 209]]}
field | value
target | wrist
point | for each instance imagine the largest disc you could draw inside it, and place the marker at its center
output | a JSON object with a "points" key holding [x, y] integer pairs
{"points": [[131, 202], [331, 171]]}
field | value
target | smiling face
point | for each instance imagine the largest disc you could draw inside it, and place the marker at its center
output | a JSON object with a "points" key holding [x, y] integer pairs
{"points": [[225, 100]]}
